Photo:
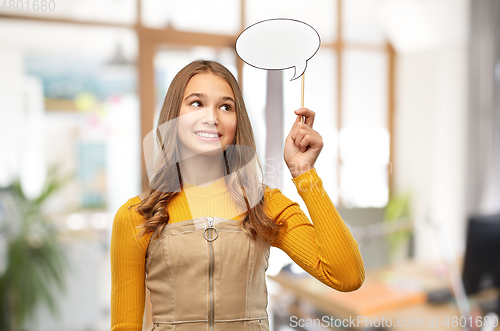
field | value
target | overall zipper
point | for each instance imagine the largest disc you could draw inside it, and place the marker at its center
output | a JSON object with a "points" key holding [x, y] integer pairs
{"points": [[210, 239]]}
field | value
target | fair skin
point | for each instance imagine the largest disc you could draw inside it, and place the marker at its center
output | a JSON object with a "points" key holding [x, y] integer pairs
{"points": [[303, 144], [207, 105]]}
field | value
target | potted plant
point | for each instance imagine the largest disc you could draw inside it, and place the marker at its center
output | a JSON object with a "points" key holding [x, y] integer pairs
{"points": [[397, 210], [34, 260]]}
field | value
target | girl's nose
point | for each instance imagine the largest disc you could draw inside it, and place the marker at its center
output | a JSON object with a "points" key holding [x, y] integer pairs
{"points": [[210, 116]]}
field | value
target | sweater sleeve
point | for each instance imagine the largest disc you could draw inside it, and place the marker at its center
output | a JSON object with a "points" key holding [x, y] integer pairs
{"points": [[128, 291], [324, 248]]}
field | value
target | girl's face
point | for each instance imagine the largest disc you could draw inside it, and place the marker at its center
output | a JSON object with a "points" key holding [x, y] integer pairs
{"points": [[208, 108]]}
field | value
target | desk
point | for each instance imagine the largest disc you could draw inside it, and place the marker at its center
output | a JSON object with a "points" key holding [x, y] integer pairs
{"points": [[394, 294]]}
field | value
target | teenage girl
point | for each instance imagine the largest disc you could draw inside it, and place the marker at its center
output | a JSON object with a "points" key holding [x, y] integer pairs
{"points": [[199, 238]]}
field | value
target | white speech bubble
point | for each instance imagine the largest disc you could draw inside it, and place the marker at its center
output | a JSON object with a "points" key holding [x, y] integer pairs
{"points": [[278, 43]]}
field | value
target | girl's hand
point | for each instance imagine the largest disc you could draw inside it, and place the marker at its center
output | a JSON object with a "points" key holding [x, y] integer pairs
{"points": [[303, 144]]}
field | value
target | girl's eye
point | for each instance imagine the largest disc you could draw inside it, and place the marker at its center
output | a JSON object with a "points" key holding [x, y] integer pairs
{"points": [[226, 107], [196, 103]]}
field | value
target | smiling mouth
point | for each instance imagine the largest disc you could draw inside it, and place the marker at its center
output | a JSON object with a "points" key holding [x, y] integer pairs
{"points": [[207, 136]]}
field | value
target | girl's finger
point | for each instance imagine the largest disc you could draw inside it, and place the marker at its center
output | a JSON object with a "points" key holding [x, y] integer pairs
{"points": [[292, 132], [304, 143], [308, 116], [295, 127], [300, 134]]}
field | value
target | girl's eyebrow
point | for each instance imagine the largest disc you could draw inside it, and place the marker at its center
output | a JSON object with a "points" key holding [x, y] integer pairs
{"points": [[228, 98], [198, 95], [202, 95]]}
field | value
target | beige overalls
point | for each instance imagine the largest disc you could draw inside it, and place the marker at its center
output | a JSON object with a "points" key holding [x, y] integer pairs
{"points": [[207, 274]]}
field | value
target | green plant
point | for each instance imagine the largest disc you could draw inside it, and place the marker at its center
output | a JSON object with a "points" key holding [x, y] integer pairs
{"points": [[398, 210], [35, 259]]}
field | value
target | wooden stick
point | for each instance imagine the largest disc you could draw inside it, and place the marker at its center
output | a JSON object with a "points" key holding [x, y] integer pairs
{"points": [[302, 95]]}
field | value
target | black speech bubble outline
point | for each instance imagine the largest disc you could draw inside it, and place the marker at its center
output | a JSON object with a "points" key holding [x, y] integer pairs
{"points": [[281, 19]]}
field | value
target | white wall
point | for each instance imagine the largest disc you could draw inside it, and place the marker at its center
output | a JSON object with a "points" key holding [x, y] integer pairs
{"points": [[431, 115]]}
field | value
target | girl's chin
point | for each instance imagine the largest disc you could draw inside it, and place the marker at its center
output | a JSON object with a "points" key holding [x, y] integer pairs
{"points": [[215, 150]]}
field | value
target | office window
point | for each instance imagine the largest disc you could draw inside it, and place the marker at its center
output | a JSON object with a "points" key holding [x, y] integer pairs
{"points": [[361, 21], [364, 137], [356, 175], [321, 14], [90, 106], [214, 16]]}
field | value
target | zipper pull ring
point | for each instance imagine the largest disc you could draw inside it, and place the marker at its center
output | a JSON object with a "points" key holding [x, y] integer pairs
{"points": [[210, 226]]}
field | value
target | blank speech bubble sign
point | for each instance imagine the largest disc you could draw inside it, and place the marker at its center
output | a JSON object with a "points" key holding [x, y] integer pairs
{"points": [[278, 43]]}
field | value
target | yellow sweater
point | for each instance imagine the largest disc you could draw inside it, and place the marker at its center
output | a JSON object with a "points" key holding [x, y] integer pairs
{"points": [[324, 248]]}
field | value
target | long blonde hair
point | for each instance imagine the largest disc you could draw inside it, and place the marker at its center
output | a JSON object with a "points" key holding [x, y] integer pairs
{"points": [[153, 207]]}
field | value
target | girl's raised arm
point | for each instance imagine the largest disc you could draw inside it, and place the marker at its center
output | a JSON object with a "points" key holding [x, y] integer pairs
{"points": [[324, 248]]}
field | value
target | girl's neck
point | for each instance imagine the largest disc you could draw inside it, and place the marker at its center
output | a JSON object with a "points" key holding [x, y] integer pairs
{"points": [[201, 170]]}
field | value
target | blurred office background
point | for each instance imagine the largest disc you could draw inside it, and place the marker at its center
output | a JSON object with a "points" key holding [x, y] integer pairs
{"points": [[406, 95]]}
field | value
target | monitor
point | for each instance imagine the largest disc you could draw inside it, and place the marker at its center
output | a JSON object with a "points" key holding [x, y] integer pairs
{"points": [[481, 268]]}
